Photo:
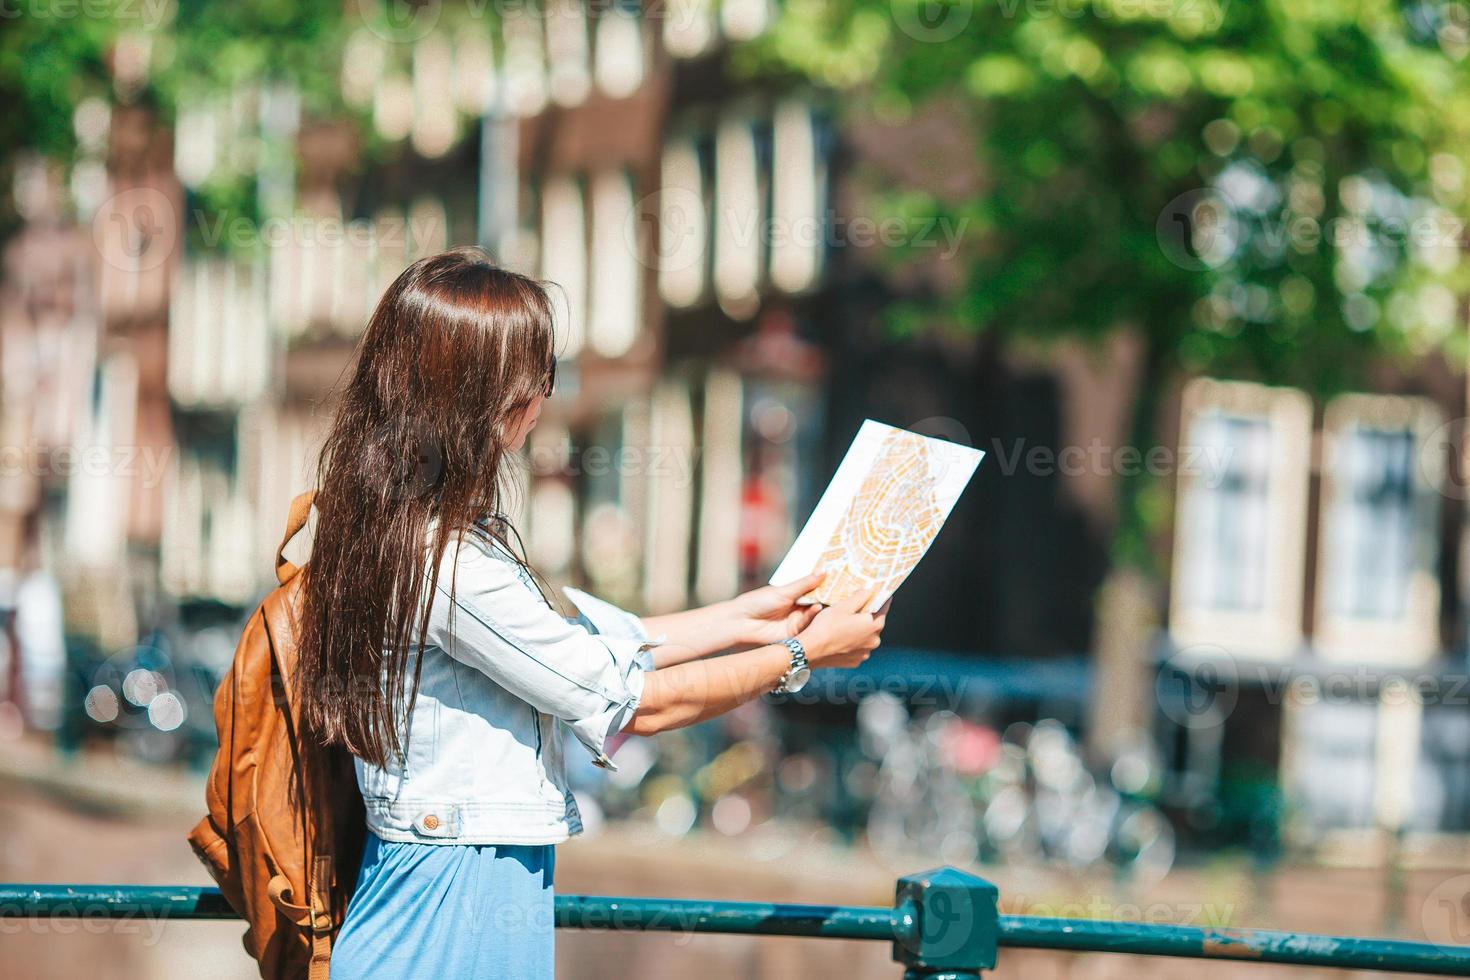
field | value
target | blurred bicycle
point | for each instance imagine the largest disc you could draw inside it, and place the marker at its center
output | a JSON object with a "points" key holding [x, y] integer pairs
{"points": [[962, 792]]}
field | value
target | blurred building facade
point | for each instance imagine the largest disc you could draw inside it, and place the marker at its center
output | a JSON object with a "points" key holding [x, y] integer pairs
{"points": [[188, 357], [1316, 611], [167, 377]]}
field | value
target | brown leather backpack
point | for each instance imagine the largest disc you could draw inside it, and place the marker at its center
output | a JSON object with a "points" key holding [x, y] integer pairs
{"points": [[285, 828]]}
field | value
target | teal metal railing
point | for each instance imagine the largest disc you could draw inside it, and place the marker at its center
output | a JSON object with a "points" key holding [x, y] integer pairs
{"points": [[943, 925]]}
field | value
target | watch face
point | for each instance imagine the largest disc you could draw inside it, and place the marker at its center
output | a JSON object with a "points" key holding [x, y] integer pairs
{"points": [[798, 679]]}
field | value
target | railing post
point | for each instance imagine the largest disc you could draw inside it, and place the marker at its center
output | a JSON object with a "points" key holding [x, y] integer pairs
{"points": [[948, 925]]}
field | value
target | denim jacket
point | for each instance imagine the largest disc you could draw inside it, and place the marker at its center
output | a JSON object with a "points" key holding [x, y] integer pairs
{"points": [[503, 676]]}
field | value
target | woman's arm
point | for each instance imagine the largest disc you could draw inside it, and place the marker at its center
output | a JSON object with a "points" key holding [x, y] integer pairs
{"points": [[486, 615], [842, 635], [757, 618], [689, 635]]}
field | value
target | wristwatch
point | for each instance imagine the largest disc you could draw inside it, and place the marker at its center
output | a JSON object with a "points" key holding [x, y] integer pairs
{"points": [[798, 673]]}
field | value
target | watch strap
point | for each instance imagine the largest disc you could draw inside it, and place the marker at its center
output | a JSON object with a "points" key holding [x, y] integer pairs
{"points": [[798, 661]]}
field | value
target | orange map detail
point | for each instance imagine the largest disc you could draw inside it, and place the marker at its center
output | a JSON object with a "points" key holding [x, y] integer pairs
{"points": [[889, 524]]}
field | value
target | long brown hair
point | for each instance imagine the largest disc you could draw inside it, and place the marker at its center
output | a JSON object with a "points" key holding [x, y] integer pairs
{"points": [[456, 350]]}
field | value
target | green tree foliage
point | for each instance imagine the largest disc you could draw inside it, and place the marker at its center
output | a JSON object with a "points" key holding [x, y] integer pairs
{"points": [[57, 54], [228, 59], [1271, 189], [1321, 149]]}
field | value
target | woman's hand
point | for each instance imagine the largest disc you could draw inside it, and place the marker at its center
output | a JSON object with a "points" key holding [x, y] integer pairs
{"points": [[691, 691], [770, 614], [843, 635], [757, 618]]}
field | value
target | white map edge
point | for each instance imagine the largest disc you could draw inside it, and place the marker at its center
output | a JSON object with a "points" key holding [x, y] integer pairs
{"points": [[605, 617], [804, 552]]}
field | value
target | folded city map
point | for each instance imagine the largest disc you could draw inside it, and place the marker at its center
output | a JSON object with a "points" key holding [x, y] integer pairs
{"points": [[886, 503]]}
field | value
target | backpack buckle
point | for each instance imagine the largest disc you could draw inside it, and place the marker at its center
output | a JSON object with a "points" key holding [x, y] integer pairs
{"points": [[321, 895]]}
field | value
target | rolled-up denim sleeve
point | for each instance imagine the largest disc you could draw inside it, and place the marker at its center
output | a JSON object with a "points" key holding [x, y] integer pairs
{"points": [[490, 619]]}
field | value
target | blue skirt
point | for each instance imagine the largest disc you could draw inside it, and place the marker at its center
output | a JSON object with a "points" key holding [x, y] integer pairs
{"points": [[450, 912]]}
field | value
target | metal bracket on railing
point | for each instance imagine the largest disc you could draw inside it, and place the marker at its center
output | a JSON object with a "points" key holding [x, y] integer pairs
{"points": [[946, 925]]}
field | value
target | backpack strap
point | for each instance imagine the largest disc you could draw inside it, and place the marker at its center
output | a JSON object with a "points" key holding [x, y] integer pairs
{"points": [[316, 917], [295, 521], [321, 917]]}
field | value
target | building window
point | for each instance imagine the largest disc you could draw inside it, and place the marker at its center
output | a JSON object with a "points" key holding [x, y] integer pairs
{"points": [[689, 27], [474, 72], [1330, 766], [552, 520], [1378, 592], [615, 496], [738, 216], [1374, 515], [100, 500], [717, 568], [564, 259], [393, 106], [683, 225], [435, 120], [1229, 521], [364, 59], [277, 449], [218, 333], [1240, 536], [525, 61], [619, 65], [205, 549], [670, 525], [197, 141], [742, 20], [798, 199], [616, 271], [1441, 797], [570, 79]]}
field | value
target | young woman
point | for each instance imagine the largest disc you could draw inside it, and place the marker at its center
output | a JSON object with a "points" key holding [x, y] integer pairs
{"points": [[429, 650]]}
